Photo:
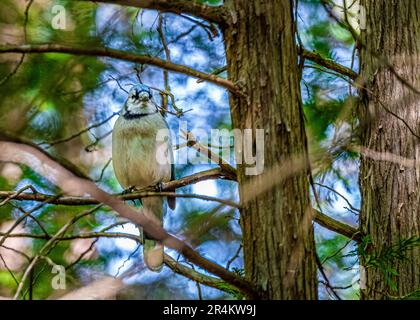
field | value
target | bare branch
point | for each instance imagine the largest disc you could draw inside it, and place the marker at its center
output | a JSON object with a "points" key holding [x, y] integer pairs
{"points": [[235, 256], [198, 277], [192, 142], [327, 281], [165, 72], [337, 252], [14, 194], [95, 125], [122, 55], [216, 72], [23, 217], [316, 58], [329, 64], [92, 146], [14, 71], [337, 226], [103, 170], [6, 136], [146, 192], [210, 29], [339, 194], [22, 57], [211, 14]]}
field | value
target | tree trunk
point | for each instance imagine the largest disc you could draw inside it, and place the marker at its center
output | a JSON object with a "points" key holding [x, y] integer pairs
{"points": [[390, 191], [262, 58]]}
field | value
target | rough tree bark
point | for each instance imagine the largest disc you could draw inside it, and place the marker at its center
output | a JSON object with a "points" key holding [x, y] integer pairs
{"points": [[390, 192], [262, 58]]}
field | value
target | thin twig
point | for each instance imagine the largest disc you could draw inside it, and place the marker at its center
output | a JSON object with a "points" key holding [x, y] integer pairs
{"points": [[339, 194], [327, 281], [235, 256], [103, 170], [95, 125]]}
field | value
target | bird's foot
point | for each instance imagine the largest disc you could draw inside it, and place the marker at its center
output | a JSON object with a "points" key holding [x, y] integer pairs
{"points": [[129, 190], [159, 187]]}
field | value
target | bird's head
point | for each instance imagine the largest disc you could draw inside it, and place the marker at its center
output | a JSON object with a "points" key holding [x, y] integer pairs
{"points": [[139, 101]]}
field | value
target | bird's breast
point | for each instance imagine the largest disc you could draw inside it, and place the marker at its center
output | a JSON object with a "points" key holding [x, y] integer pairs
{"points": [[134, 147]]}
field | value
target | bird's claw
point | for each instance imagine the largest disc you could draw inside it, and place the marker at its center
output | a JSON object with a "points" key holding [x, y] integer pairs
{"points": [[159, 187], [129, 190]]}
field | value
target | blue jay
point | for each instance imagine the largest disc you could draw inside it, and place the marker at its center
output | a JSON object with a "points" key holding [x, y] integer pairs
{"points": [[135, 148]]}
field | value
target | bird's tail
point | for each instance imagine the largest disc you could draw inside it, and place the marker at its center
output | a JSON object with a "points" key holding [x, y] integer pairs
{"points": [[154, 208]]}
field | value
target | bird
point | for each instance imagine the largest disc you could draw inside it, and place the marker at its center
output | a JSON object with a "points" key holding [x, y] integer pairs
{"points": [[140, 160]]}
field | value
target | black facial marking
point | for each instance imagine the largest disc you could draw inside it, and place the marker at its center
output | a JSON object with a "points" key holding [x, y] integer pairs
{"points": [[132, 116]]}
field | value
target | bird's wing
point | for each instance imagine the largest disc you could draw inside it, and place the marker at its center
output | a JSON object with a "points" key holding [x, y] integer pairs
{"points": [[171, 200], [173, 175]]}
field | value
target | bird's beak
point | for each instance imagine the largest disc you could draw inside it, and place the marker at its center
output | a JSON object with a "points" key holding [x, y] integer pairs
{"points": [[144, 96]]}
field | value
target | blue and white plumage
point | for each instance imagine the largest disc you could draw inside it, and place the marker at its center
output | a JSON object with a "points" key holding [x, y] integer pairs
{"points": [[134, 156]]}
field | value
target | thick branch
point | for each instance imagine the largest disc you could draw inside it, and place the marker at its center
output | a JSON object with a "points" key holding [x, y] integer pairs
{"points": [[337, 226], [122, 55], [329, 64], [81, 201], [199, 277], [7, 136], [216, 173], [211, 14]]}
